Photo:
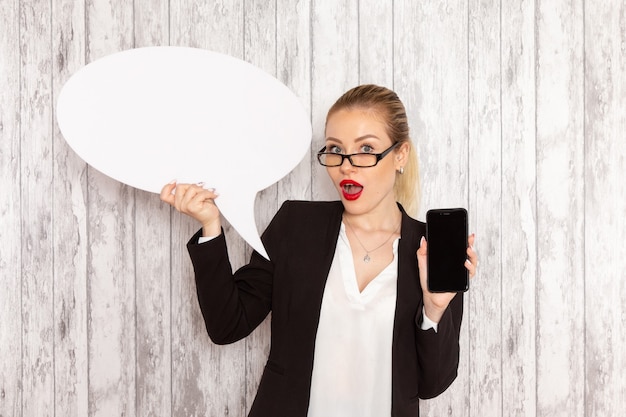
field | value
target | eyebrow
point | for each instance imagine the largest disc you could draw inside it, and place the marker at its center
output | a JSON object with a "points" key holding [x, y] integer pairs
{"points": [[359, 139]]}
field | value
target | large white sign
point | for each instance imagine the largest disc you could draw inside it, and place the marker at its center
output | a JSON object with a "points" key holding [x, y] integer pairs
{"points": [[149, 115]]}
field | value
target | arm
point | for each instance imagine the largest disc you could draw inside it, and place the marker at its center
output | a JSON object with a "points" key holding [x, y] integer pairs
{"points": [[438, 351], [232, 305]]}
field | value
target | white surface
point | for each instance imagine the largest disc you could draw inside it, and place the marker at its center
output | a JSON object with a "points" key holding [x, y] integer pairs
{"points": [[149, 115]]}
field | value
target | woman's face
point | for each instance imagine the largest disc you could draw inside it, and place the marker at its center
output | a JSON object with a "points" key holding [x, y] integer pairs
{"points": [[363, 190]]}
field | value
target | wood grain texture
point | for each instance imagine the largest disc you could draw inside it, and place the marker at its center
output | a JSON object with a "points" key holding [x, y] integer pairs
{"points": [[560, 209], [406, 78], [484, 353], [152, 264], [36, 201], [376, 42], [111, 256], [516, 109], [519, 199], [11, 363], [70, 227], [334, 58], [293, 63], [605, 208]]}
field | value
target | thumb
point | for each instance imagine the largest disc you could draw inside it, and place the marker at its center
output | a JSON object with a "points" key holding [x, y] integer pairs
{"points": [[422, 251]]}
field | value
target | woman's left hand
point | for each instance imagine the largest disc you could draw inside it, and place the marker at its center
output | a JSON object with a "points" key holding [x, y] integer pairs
{"points": [[435, 304]]}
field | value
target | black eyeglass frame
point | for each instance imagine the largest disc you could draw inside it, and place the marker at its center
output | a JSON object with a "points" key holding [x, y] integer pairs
{"points": [[378, 156]]}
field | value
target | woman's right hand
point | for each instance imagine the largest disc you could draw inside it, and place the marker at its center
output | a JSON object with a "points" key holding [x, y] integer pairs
{"points": [[197, 202]]}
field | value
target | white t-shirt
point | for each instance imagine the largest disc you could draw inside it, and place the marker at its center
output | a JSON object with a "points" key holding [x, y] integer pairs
{"points": [[352, 360]]}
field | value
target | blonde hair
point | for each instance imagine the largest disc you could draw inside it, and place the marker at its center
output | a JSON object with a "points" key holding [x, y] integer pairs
{"points": [[386, 104]]}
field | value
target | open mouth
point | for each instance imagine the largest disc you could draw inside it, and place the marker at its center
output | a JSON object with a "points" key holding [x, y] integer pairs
{"points": [[351, 189]]}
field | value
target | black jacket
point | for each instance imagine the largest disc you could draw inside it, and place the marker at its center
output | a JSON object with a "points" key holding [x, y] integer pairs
{"points": [[300, 242]]}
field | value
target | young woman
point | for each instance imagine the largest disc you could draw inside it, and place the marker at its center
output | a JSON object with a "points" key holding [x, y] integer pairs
{"points": [[354, 331]]}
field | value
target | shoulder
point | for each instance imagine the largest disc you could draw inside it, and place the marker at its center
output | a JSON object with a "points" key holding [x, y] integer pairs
{"points": [[304, 223], [412, 229], [299, 214]]}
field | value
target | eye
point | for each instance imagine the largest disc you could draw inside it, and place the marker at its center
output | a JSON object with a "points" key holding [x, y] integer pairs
{"points": [[366, 149], [333, 149]]}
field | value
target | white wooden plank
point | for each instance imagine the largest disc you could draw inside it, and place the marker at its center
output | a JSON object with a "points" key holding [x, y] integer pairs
{"points": [[431, 73], [431, 76], [484, 355], [334, 43], [519, 248], [293, 54], [407, 84], [10, 213], [206, 379], [153, 306], [111, 257], [152, 263], [36, 182], [260, 50], [376, 42], [69, 227], [560, 209], [605, 208]]}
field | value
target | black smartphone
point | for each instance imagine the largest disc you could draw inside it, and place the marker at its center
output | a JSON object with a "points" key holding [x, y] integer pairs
{"points": [[446, 233]]}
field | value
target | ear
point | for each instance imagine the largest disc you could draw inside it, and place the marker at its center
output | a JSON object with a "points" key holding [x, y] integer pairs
{"points": [[402, 154]]}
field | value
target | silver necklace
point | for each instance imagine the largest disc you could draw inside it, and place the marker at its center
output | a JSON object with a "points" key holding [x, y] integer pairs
{"points": [[367, 258]]}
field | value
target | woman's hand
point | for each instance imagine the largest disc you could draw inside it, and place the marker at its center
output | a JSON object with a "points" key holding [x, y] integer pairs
{"points": [[435, 304], [197, 202]]}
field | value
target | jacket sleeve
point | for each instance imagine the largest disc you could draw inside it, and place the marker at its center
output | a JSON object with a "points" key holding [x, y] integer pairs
{"points": [[233, 304], [438, 352]]}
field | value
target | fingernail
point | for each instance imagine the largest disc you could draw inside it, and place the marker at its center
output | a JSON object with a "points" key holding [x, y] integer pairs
{"points": [[422, 241], [172, 182]]}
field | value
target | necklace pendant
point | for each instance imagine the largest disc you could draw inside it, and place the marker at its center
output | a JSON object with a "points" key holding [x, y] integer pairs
{"points": [[367, 258]]}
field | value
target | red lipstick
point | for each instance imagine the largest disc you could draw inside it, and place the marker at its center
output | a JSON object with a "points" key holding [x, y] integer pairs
{"points": [[351, 190]]}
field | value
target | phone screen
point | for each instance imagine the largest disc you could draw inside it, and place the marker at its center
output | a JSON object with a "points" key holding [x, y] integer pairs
{"points": [[446, 233]]}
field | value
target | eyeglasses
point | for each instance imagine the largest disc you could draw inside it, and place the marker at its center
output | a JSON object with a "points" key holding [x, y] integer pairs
{"points": [[359, 160]]}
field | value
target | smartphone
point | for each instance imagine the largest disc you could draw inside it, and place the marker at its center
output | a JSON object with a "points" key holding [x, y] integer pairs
{"points": [[446, 233]]}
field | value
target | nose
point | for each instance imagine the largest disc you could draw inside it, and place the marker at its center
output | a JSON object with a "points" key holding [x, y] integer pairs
{"points": [[346, 166]]}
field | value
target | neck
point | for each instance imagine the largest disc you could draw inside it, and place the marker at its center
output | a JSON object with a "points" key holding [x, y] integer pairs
{"points": [[383, 218]]}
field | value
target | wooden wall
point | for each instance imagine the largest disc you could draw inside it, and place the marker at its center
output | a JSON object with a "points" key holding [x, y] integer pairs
{"points": [[518, 111]]}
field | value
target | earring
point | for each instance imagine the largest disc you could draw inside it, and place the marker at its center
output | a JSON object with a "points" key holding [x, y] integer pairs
{"points": [[401, 170]]}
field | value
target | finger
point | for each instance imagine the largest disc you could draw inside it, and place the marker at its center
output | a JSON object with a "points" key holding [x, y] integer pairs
{"points": [[423, 249], [472, 254], [201, 198], [472, 262], [471, 238], [190, 197], [180, 195], [470, 267], [167, 192]]}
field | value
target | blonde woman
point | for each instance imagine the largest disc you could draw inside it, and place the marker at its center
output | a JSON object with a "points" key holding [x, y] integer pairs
{"points": [[354, 330]]}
